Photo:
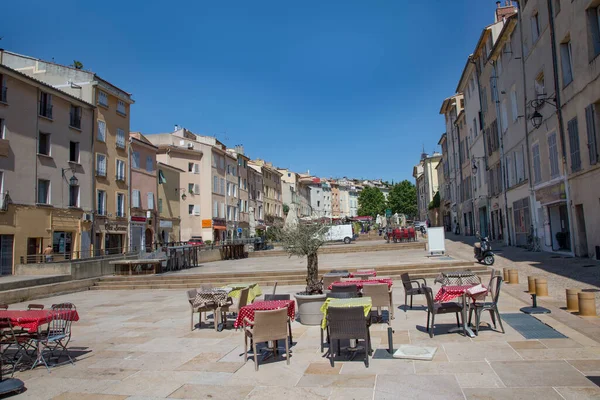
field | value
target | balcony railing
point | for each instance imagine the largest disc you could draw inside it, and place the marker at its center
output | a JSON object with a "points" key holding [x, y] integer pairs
{"points": [[121, 142], [3, 91], [46, 110], [101, 172], [120, 177]]}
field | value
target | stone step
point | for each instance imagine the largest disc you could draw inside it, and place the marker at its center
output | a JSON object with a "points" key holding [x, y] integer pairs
{"points": [[347, 248]]}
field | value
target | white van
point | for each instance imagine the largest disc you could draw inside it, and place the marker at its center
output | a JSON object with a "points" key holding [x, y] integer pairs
{"points": [[338, 233]]}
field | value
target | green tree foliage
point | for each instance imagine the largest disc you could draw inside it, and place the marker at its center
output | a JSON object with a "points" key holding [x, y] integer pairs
{"points": [[403, 199], [77, 64], [286, 209], [435, 203], [371, 202]]}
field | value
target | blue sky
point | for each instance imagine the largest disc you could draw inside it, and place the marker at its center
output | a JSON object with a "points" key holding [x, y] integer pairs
{"points": [[340, 88]]}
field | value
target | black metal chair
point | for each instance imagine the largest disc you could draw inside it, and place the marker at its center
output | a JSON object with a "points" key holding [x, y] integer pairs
{"points": [[345, 323], [410, 290], [434, 309], [491, 306]]}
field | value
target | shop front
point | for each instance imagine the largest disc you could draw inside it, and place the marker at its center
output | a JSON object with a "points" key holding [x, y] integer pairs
{"points": [[111, 237], [168, 230], [555, 217], [521, 221], [219, 227]]}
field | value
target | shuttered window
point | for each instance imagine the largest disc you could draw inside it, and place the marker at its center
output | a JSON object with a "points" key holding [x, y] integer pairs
{"points": [[590, 119], [537, 166], [573, 130]]}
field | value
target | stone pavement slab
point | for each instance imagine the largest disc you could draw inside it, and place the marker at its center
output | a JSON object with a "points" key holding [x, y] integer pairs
{"points": [[539, 373]]}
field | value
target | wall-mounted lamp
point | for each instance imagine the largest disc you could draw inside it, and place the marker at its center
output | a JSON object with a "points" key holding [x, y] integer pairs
{"points": [[536, 117], [73, 181]]}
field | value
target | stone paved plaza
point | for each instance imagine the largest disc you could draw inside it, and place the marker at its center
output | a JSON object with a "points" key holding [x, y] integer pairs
{"points": [[138, 345]]}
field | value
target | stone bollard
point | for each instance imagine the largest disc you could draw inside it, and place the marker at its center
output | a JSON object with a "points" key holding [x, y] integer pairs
{"points": [[573, 300], [506, 276], [541, 287], [513, 276], [587, 304], [531, 284]]}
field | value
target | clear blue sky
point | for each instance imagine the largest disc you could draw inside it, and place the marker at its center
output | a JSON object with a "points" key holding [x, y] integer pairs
{"points": [[347, 87]]}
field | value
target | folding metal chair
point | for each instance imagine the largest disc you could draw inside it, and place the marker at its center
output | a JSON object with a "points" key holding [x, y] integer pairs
{"points": [[58, 334], [9, 340]]}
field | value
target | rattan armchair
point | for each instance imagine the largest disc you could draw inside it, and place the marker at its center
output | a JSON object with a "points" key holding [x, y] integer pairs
{"points": [[328, 280], [344, 323], [410, 290], [344, 288], [211, 306], [360, 276], [235, 305], [434, 309], [381, 297], [267, 326]]}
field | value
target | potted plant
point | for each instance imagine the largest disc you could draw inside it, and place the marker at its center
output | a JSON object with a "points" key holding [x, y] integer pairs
{"points": [[304, 240]]}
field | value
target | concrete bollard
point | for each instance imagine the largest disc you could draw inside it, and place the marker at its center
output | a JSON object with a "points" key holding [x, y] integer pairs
{"points": [[513, 276], [505, 273], [541, 287], [531, 284], [587, 304], [573, 300]]}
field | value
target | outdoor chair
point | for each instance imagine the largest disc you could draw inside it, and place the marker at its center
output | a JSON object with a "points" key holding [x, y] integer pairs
{"points": [[35, 307], [269, 297], [345, 323], [349, 279], [11, 344], [3, 306], [345, 288], [409, 289], [328, 280], [267, 326], [492, 306], [434, 309], [342, 295], [380, 297], [360, 276], [57, 335], [235, 306], [210, 306]]}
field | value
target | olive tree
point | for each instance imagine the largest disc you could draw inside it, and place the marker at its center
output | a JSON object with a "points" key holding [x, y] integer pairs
{"points": [[303, 239]]}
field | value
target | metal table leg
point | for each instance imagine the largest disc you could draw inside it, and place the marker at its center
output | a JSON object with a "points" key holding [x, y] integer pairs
{"points": [[465, 327]]}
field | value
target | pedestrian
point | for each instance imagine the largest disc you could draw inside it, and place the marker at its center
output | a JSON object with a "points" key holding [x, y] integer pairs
{"points": [[48, 253]]}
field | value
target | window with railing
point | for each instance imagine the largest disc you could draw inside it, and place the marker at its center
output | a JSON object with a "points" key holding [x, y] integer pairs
{"points": [[121, 107], [100, 165], [45, 105], [3, 89], [102, 98], [120, 138], [75, 117], [101, 203], [120, 205]]}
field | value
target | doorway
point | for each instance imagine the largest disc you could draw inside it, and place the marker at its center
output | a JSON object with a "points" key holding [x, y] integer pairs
{"points": [[6, 254], [148, 242], [559, 227], [581, 232]]}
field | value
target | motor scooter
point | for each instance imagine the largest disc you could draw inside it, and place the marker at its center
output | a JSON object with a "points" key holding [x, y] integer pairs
{"points": [[483, 251]]}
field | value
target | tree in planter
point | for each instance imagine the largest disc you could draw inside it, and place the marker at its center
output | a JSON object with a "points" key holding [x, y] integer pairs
{"points": [[304, 240]]}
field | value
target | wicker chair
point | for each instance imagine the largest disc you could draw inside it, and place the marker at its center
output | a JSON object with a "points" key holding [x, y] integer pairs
{"points": [[328, 280], [235, 306], [267, 326], [492, 307], [409, 289], [347, 323], [345, 288], [434, 309], [191, 294], [342, 295], [381, 297]]}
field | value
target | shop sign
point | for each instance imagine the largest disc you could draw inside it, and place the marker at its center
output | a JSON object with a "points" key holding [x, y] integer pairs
{"points": [[138, 219], [115, 227], [551, 193], [166, 224], [218, 222], [207, 223]]}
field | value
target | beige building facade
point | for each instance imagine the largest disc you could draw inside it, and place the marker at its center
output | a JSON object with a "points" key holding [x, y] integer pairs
{"points": [[169, 208]]}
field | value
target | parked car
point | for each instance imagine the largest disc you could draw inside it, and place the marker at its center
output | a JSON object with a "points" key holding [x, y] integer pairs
{"points": [[196, 241], [338, 233]]}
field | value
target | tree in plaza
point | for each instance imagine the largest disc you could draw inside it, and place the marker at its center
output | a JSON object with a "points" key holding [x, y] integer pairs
{"points": [[286, 209], [403, 199], [303, 239], [371, 201]]}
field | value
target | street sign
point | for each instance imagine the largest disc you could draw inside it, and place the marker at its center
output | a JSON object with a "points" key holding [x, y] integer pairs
{"points": [[239, 230], [388, 213]]}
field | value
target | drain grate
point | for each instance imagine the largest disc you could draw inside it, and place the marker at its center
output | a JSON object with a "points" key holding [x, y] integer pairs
{"points": [[531, 327]]}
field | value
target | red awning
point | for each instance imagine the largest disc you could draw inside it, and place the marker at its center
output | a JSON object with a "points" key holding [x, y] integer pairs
{"points": [[219, 228]]}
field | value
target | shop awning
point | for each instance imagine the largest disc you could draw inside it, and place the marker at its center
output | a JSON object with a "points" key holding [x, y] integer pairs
{"points": [[219, 228]]}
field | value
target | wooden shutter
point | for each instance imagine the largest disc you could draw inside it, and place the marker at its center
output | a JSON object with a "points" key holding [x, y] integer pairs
{"points": [[591, 133], [136, 198], [573, 130]]}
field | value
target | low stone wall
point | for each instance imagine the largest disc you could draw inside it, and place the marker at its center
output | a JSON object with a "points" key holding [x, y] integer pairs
{"points": [[77, 269], [209, 255], [42, 291]]}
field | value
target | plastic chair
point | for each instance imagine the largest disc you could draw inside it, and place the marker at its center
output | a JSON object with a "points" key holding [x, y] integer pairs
{"points": [[409, 289], [492, 306], [210, 306], [344, 288], [235, 306], [267, 326]]}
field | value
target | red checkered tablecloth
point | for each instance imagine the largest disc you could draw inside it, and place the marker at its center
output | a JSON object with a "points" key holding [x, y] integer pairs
{"points": [[447, 293], [359, 284], [33, 319], [248, 311]]}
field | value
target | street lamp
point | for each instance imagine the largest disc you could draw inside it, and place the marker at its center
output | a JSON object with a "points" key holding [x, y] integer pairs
{"points": [[536, 117], [73, 181]]}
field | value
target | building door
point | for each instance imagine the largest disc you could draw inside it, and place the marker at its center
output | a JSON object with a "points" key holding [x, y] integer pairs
{"points": [[148, 242], [564, 225], [6, 254], [98, 244], [136, 238], [483, 225], [581, 232]]}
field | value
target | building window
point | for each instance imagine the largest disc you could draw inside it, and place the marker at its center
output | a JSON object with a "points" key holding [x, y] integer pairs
{"points": [[2, 129], [44, 144], [590, 122], [222, 161], [135, 199], [121, 107], [3, 89], [73, 196], [74, 152], [540, 86], [101, 202], [101, 131], [190, 209], [228, 189], [46, 105], [75, 117], [215, 209], [537, 163], [222, 186], [535, 27], [120, 176], [102, 98], [566, 57], [120, 138], [149, 164], [504, 116], [120, 205], [553, 151], [100, 165], [160, 206], [43, 191], [135, 159], [196, 189], [214, 161], [150, 201], [191, 188], [190, 167], [215, 184], [196, 168], [514, 105], [593, 15], [573, 129]]}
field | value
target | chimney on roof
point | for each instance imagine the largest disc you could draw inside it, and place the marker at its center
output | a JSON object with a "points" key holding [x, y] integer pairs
{"points": [[176, 128]]}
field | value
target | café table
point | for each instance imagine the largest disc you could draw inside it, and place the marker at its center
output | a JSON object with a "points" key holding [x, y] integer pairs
{"points": [[457, 278], [236, 290], [266, 305], [31, 320], [359, 284], [447, 293], [364, 302]]}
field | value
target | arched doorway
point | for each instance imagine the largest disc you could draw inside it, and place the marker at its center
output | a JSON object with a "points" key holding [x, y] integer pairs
{"points": [[148, 237]]}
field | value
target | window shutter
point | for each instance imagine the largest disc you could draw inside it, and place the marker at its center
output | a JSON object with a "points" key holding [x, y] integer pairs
{"points": [[197, 209], [591, 133], [573, 130], [196, 189], [196, 168], [136, 198], [150, 201]]}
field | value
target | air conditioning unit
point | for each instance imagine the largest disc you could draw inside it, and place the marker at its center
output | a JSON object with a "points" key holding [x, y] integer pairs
{"points": [[190, 145], [87, 216]]}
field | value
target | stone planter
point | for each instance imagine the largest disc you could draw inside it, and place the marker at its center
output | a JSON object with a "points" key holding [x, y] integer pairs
{"points": [[309, 308]]}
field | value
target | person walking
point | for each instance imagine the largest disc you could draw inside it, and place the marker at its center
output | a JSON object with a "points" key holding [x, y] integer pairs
{"points": [[48, 253]]}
